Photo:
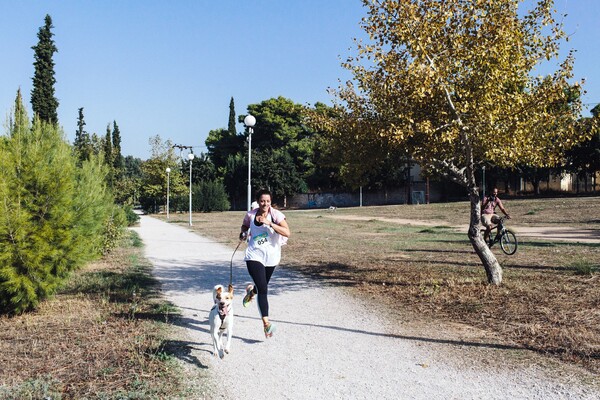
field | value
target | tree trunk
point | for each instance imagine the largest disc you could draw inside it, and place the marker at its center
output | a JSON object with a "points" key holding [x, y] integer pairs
{"points": [[489, 261]]}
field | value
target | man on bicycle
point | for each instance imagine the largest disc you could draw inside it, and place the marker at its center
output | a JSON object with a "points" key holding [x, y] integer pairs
{"points": [[489, 218]]}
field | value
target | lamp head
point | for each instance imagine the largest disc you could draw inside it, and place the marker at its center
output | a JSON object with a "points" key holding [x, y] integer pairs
{"points": [[249, 121]]}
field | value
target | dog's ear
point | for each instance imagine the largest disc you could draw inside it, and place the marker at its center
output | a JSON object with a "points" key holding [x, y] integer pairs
{"points": [[219, 289], [230, 288]]}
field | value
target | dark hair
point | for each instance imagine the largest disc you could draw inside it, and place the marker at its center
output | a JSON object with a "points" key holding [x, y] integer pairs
{"points": [[262, 192]]}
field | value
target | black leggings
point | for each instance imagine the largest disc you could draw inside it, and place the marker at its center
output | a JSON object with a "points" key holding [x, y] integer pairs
{"points": [[261, 276]]}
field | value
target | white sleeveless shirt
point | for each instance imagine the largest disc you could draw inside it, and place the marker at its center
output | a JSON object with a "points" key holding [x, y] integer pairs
{"points": [[264, 244]]}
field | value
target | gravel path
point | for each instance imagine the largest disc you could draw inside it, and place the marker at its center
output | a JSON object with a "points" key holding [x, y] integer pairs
{"points": [[329, 345]]}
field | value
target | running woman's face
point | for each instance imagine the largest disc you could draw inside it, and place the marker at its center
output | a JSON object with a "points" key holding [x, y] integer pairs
{"points": [[264, 202]]}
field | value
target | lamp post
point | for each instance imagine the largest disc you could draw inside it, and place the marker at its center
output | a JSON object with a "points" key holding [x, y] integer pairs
{"points": [[191, 158], [168, 181], [483, 182], [249, 121]]}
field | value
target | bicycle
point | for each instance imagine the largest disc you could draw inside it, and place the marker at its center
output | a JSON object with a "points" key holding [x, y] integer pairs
{"points": [[504, 235]]}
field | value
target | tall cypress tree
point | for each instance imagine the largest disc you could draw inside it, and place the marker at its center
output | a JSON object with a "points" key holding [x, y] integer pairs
{"points": [[118, 162], [107, 147], [43, 101], [108, 155], [231, 127], [82, 143], [18, 122]]}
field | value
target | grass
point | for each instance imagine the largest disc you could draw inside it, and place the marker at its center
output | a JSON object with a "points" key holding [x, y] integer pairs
{"points": [[549, 300], [103, 336]]}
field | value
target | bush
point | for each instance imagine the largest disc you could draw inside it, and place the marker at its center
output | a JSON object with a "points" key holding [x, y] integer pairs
{"points": [[113, 229], [209, 196], [132, 217]]}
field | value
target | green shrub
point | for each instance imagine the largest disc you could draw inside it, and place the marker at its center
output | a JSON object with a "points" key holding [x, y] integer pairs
{"points": [[209, 196], [132, 217], [113, 229]]}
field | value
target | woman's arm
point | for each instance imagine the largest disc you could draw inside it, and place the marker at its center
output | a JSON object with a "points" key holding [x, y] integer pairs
{"points": [[282, 228]]}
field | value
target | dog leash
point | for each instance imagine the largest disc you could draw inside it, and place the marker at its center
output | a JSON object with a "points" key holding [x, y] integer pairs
{"points": [[231, 263]]}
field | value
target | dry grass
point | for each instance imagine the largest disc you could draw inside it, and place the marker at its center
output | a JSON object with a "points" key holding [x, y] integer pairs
{"points": [[549, 300], [98, 338]]}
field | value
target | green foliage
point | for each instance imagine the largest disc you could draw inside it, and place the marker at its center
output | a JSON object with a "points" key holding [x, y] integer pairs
{"points": [[209, 196], [231, 125], [52, 212], [113, 229], [153, 187], [118, 161], [131, 216], [82, 145], [43, 101]]}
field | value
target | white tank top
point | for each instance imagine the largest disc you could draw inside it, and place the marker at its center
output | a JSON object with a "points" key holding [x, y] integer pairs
{"points": [[263, 244]]}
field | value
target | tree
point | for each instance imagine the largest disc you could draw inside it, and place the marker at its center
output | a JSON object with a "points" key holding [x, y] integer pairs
{"points": [[231, 126], [118, 162], [43, 101], [52, 211], [235, 175], [82, 143], [452, 82], [127, 188], [221, 144], [153, 190], [108, 154], [283, 146], [584, 158]]}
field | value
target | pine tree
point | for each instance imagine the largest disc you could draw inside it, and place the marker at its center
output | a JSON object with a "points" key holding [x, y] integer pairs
{"points": [[53, 215], [43, 101], [231, 127]]}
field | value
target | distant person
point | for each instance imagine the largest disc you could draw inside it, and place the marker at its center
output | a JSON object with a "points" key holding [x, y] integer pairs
{"points": [[489, 218], [266, 230]]}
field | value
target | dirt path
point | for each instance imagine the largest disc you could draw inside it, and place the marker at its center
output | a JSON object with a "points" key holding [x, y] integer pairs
{"points": [[330, 345], [554, 233]]}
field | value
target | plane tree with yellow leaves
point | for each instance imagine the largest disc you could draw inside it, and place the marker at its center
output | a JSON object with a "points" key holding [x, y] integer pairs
{"points": [[455, 83]]}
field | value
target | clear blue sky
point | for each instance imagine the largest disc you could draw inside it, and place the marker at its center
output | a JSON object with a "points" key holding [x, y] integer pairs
{"points": [[171, 67]]}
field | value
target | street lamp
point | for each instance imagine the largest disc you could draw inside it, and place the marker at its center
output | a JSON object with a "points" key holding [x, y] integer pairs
{"points": [[168, 180], [249, 121], [191, 157], [483, 182]]}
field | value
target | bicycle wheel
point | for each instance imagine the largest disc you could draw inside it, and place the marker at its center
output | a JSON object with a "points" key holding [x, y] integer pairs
{"points": [[508, 242]]}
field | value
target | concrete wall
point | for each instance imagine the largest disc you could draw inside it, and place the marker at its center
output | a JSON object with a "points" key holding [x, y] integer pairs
{"points": [[371, 198]]}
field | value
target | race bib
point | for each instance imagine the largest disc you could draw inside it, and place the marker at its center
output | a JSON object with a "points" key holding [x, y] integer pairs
{"points": [[261, 239]]}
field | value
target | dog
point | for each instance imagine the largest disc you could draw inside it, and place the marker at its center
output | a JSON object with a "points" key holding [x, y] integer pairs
{"points": [[221, 319], [332, 209]]}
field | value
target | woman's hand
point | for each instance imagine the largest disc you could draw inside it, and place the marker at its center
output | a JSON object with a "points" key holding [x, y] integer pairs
{"points": [[263, 220]]}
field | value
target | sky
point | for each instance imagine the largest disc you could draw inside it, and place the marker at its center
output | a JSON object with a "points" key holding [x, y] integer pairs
{"points": [[170, 68]]}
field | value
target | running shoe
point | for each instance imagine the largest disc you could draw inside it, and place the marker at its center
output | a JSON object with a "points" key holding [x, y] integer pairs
{"points": [[269, 330], [249, 295]]}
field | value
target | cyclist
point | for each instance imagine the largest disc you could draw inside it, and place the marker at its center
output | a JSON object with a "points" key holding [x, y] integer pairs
{"points": [[489, 218]]}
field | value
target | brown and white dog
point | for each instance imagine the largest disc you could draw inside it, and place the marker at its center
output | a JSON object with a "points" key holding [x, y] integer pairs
{"points": [[221, 319]]}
